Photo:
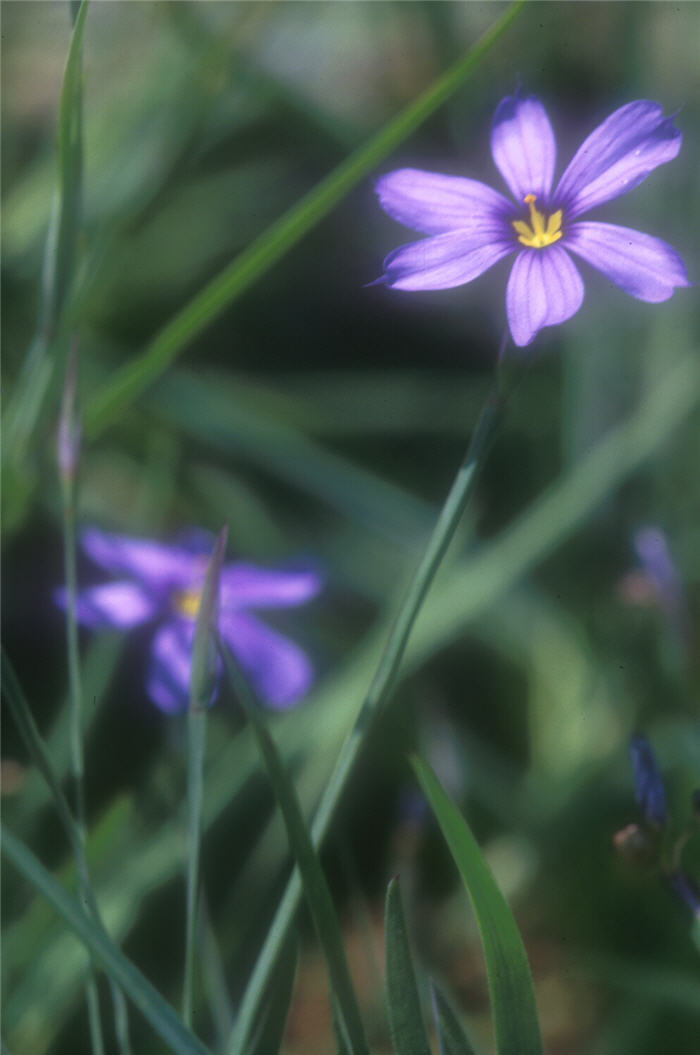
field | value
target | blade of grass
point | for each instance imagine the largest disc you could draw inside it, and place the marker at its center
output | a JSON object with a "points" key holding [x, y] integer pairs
{"points": [[270, 1031], [315, 886], [208, 304], [381, 685], [40, 756], [510, 981], [202, 680], [403, 999], [213, 975], [452, 1038], [159, 1013], [59, 259], [68, 452]]}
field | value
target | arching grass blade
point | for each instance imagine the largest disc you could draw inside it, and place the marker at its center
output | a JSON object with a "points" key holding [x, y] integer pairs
{"points": [[510, 981]]}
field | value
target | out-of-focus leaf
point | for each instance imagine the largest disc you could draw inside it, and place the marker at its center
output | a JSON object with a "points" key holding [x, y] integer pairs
{"points": [[273, 1020], [403, 999], [149, 1001], [510, 981], [453, 1039]]}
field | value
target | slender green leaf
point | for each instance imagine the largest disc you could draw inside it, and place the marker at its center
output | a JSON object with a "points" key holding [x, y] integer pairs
{"points": [[202, 678], [510, 981], [214, 975], [403, 999], [208, 304], [159, 1013], [315, 886], [270, 1032], [59, 258], [452, 1038]]}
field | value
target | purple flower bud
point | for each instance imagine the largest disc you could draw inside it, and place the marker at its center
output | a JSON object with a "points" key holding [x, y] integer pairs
{"points": [[649, 785]]}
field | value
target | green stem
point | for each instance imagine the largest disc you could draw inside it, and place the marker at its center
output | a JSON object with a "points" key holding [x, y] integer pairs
{"points": [[76, 732], [196, 741], [379, 691]]}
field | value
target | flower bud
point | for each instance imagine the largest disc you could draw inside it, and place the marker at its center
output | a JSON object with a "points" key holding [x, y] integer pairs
{"points": [[649, 785]]}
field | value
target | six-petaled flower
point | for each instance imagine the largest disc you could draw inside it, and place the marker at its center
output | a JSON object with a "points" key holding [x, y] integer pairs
{"points": [[471, 226], [163, 583]]}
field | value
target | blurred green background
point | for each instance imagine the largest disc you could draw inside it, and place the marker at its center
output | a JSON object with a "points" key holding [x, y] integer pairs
{"points": [[324, 419]]}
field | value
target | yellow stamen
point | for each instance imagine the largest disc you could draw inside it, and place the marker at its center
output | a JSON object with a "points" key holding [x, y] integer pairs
{"points": [[187, 602], [538, 233]]}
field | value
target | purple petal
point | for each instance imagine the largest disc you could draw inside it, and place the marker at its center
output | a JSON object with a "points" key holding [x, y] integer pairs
{"points": [[435, 204], [544, 289], [247, 586], [158, 565], [447, 260], [278, 669], [523, 146], [643, 266], [617, 156], [168, 679], [114, 604]]}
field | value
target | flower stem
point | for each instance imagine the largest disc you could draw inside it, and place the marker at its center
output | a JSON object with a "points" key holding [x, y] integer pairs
{"points": [[76, 733], [381, 686], [68, 460]]}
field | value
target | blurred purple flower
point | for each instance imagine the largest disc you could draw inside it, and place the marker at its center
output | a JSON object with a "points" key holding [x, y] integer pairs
{"points": [[649, 784], [472, 226], [660, 571], [163, 583]]}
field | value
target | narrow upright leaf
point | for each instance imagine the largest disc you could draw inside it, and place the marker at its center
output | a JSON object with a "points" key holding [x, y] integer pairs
{"points": [[270, 1032], [452, 1038], [510, 981], [405, 1018], [202, 681]]}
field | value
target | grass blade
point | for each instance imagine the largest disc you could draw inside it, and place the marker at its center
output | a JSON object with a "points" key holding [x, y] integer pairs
{"points": [[59, 260], [453, 1040], [403, 999], [253, 262], [159, 1013], [270, 1033], [204, 664], [510, 981], [315, 886]]}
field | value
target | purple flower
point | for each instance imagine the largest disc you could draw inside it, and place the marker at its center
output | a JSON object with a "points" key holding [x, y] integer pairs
{"points": [[653, 552], [472, 226], [649, 784], [164, 583]]}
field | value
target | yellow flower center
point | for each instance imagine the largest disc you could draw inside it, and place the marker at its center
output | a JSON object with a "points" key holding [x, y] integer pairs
{"points": [[540, 231], [187, 602]]}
